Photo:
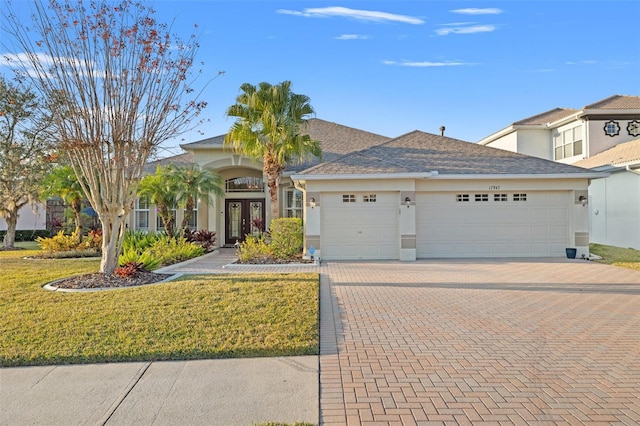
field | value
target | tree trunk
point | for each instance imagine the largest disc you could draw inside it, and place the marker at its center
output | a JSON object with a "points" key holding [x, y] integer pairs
{"points": [[76, 205], [112, 237], [12, 223], [167, 219], [273, 171], [188, 212]]}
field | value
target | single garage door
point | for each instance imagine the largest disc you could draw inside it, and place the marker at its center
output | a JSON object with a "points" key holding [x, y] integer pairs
{"points": [[359, 226], [469, 224]]}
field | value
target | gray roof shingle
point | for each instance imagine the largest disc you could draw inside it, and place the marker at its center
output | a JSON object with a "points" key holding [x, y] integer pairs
{"points": [[419, 152]]}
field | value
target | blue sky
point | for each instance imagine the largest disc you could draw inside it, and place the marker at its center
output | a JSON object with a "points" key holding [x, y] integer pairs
{"points": [[391, 67]]}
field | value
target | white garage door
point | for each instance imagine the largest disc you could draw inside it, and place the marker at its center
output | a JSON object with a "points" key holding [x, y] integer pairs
{"points": [[531, 224], [359, 226]]}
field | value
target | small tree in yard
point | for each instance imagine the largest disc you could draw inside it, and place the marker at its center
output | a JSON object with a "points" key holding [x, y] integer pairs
{"points": [[270, 127], [24, 153], [119, 79], [62, 182], [193, 183]]}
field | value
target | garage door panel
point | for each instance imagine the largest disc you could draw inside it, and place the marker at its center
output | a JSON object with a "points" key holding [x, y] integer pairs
{"points": [[538, 226], [359, 230]]}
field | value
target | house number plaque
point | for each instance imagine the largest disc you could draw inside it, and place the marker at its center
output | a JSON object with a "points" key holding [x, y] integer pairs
{"points": [[494, 187]]}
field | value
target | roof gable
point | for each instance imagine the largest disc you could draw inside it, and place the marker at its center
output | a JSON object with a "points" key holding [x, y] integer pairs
{"points": [[546, 117], [420, 152]]}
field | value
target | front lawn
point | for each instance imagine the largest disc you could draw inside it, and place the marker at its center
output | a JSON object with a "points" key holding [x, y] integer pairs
{"points": [[206, 316], [618, 256]]}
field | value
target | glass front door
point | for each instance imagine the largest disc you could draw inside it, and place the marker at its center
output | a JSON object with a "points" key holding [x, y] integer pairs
{"points": [[243, 217]]}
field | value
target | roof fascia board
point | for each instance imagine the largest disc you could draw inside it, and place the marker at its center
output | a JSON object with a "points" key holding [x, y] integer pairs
{"points": [[573, 117], [585, 175], [363, 176], [605, 112], [497, 135]]}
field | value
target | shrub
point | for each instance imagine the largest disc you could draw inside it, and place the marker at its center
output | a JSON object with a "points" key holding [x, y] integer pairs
{"points": [[204, 238], [28, 235], [173, 250], [129, 269], [139, 240], [60, 242], [252, 248], [286, 237], [147, 259]]}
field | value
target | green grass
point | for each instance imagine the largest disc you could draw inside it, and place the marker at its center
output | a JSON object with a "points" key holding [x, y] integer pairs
{"points": [[206, 316], [617, 256], [28, 245]]}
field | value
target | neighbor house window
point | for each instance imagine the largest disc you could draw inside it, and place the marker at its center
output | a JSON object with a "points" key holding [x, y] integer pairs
{"points": [[293, 206], [348, 198], [481, 197], [462, 198], [142, 214], [499, 197], [371, 198], [519, 197], [567, 143]]}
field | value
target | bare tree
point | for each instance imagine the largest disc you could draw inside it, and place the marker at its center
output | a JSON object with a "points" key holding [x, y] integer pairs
{"points": [[24, 153], [120, 80]]}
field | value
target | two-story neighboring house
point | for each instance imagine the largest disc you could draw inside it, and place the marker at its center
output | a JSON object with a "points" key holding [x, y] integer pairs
{"points": [[603, 136]]}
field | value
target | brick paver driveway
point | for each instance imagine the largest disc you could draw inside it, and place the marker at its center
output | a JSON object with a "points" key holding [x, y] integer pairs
{"points": [[480, 342]]}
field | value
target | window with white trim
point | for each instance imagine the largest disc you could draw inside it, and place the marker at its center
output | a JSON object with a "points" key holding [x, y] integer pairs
{"points": [[369, 198], [348, 198], [519, 197], [500, 197], [141, 216], [293, 203], [481, 197], [567, 143], [462, 198]]}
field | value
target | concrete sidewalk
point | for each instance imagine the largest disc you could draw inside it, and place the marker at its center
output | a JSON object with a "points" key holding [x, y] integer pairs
{"points": [[206, 392]]}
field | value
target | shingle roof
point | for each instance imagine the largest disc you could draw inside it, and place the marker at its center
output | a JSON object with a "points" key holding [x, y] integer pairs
{"points": [[419, 152], [547, 117], [185, 158], [623, 153], [335, 139], [616, 102]]}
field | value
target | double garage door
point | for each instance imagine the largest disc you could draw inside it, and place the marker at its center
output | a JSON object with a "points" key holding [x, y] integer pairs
{"points": [[533, 224], [448, 225]]}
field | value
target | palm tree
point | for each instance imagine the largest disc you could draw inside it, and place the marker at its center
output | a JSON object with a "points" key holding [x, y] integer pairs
{"points": [[270, 126], [62, 182], [193, 183], [161, 191]]}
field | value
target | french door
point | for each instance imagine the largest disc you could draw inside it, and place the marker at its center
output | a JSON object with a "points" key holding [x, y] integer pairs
{"points": [[243, 217]]}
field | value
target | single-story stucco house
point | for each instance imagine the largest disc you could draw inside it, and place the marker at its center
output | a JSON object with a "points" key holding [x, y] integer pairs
{"points": [[419, 195]]}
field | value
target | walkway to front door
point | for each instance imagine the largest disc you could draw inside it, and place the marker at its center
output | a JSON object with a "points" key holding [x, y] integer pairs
{"points": [[242, 217]]}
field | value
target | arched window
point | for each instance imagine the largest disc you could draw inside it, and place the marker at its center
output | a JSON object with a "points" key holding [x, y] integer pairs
{"points": [[244, 184]]}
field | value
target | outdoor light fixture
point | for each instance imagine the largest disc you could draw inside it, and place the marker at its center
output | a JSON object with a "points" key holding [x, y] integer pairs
{"points": [[407, 201], [312, 202], [582, 200]]}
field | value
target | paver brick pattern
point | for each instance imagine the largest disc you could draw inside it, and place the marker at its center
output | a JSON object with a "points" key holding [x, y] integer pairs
{"points": [[480, 342]]}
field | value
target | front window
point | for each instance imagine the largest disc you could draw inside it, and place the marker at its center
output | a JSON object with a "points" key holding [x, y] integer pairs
{"points": [[567, 143], [142, 214], [192, 223], [293, 206], [244, 184]]}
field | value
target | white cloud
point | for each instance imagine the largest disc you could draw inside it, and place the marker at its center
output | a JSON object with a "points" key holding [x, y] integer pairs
{"points": [[425, 64], [351, 37], [466, 30], [477, 11], [360, 15]]}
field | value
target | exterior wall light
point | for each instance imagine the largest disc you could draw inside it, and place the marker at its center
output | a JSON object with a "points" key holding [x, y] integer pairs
{"points": [[582, 200], [407, 201], [312, 202]]}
